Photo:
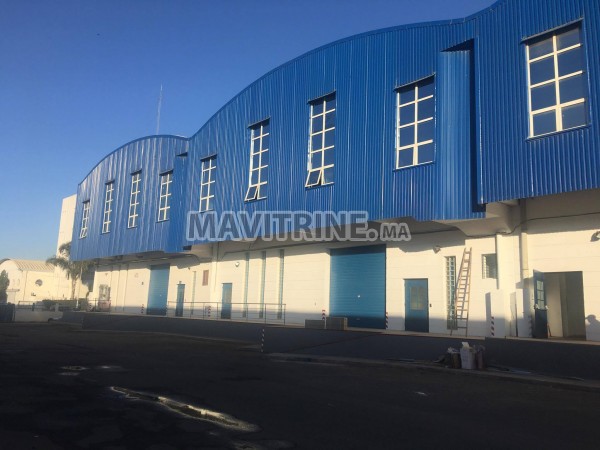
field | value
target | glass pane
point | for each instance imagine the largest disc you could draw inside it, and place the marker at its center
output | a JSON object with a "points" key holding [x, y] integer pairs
{"points": [[426, 108], [574, 116], [316, 160], [405, 157], [568, 38], [251, 194], [317, 124], [313, 177], [330, 103], [572, 88], [407, 136], [264, 142], [264, 174], [425, 153], [540, 48], [329, 138], [330, 120], [328, 157], [328, 175], [542, 70], [407, 114], [407, 94], [425, 131], [317, 142], [570, 61], [543, 96], [317, 108], [211, 175], [254, 177], [264, 158], [209, 204], [255, 161], [426, 88], [265, 127], [203, 191], [544, 123]]}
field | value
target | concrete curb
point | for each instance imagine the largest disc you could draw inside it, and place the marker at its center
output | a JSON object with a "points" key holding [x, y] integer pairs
{"points": [[588, 386]]}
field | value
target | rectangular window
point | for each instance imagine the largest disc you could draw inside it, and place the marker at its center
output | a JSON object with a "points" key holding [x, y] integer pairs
{"points": [[259, 162], [557, 82], [108, 201], [451, 292], [322, 142], [415, 121], [207, 184], [490, 266], [205, 278], [85, 218], [134, 199], [164, 203]]}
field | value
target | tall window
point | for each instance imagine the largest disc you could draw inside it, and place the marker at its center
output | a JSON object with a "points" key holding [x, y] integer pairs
{"points": [[164, 203], [557, 86], [108, 201], [85, 218], [451, 292], [415, 124], [490, 266], [259, 162], [207, 184], [322, 141], [134, 199]]}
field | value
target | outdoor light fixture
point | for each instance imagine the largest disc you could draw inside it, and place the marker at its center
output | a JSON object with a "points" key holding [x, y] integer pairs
{"points": [[436, 249], [595, 236]]}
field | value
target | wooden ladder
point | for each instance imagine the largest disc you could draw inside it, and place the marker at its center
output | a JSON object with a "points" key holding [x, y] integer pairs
{"points": [[462, 293]]}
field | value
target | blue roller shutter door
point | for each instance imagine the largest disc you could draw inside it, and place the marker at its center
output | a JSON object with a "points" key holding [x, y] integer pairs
{"points": [[358, 285]]}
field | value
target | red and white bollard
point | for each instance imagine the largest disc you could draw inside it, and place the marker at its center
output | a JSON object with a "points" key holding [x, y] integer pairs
{"points": [[492, 326], [262, 341], [323, 315], [208, 311], [386, 320], [142, 310]]}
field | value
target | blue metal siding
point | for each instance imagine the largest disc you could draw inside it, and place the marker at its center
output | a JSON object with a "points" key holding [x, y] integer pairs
{"points": [[358, 286], [482, 150], [153, 156], [513, 166]]}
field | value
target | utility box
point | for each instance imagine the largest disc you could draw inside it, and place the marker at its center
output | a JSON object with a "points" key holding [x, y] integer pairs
{"points": [[314, 324], [336, 323]]}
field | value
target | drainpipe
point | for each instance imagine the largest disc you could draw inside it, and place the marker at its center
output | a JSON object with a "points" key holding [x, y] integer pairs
{"points": [[524, 255]]}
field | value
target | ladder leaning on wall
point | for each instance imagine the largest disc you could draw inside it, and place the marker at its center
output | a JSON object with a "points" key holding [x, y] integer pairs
{"points": [[462, 293]]}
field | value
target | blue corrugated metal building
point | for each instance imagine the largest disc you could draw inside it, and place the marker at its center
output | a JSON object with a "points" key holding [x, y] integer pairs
{"points": [[445, 125]]}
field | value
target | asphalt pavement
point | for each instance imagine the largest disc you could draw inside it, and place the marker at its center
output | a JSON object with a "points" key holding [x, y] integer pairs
{"points": [[62, 387]]}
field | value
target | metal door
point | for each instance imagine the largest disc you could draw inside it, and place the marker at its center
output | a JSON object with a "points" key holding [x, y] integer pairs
{"points": [[180, 297], [417, 305], [157, 292], [358, 285], [226, 301], [540, 328]]}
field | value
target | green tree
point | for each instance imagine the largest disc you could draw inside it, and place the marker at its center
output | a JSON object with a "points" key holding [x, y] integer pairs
{"points": [[4, 283], [73, 269]]}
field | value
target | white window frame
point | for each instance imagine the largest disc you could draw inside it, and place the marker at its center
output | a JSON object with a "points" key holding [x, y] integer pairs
{"points": [[134, 199], [85, 219], [109, 191], [320, 181], [257, 190], [416, 144], [207, 178], [557, 108], [164, 200], [486, 273]]}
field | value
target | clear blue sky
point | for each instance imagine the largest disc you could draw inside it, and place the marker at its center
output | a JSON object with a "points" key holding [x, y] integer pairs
{"points": [[80, 78]]}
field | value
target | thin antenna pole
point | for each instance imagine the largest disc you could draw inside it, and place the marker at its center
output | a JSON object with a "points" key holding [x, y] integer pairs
{"points": [[160, 97]]}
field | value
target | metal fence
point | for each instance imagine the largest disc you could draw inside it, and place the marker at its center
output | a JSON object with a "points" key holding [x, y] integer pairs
{"points": [[249, 312]]}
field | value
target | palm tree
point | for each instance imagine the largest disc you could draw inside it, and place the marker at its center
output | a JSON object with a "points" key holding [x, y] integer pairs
{"points": [[73, 269]]}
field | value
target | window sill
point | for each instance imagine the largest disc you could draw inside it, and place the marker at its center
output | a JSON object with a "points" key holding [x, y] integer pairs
{"points": [[554, 133], [255, 200], [316, 186]]}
